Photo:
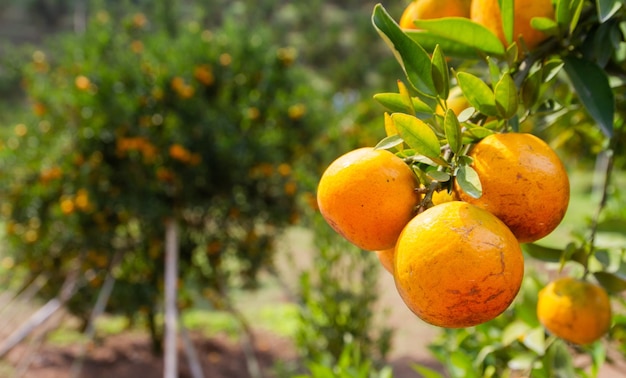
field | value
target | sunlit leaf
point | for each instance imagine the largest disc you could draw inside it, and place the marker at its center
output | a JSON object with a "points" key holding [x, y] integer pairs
{"points": [[462, 31], [568, 13], [426, 372], [417, 135], [396, 103], [390, 127], [514, 332], [389, 142], [468, 180], [412, 57], [592, 86], [611, 282], [452, 129], [607, 8], [535, 340], [545, 24], [475, 133], [478, 93]]}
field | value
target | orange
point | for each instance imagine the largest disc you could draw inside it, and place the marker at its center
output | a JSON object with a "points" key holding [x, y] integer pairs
{"points": [[487, 13], [575, 310], [431, 9], [368, 196], [524, 183], [386, 258], [457, 265]]}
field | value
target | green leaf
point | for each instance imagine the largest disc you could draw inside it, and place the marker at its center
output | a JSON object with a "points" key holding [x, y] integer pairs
{"points": [[468, 180], [611, 282], [542, 253], [560, 360], [545, 24], [592, 86], [452, 129], [438, 175], [441, 78], [535, 340], [426, 372], [477, 93], [418, 135], [396, 103], [475, 133], [506, 96], [568, 13], [461, 31], [607, 8], [389, 142], [507, 13], [413, 59], [514, 332], [530, 89]]}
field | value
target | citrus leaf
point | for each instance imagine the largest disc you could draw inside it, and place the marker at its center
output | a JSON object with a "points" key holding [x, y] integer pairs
{"points": [[389, 142], [417, 135], [413, 59], [396, 103], [463, 31], [568, 13], [545, 24], [507, 13], [535, 340], [514, 331], [477, 93], [441, 78], [390, 127], [592, 86], [506, 96], [611, 282], [475, 133], [530, 89], [426, 372], [438, 175], [560, 360], [468, 180], [542, 253], [452, 129], [607, 8]]}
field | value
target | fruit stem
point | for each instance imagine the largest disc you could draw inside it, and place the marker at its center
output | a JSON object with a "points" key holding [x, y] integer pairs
{"points": [[606, 158]]}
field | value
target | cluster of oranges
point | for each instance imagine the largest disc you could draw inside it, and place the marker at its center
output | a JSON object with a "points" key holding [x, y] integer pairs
{"points": [[454, 254], [487, 13], [456, 260]]}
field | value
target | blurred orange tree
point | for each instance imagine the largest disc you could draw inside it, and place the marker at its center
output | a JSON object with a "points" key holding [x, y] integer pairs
{"points": [[132, 125]]}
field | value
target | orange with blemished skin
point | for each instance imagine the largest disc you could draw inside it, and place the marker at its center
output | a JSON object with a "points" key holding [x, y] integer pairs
{"points": [[457, 265], [574, 310], [524, 183], [368, 196], [432, 9]]}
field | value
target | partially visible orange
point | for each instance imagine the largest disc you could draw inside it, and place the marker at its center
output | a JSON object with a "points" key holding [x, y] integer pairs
{"points": [[575, 310], [368, 196], [524, 183], [487, 13], [457, 265], [431, 9], [386, 258]]}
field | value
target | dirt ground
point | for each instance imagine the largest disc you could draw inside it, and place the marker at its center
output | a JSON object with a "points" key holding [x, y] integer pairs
{"points": [[128, 355]]}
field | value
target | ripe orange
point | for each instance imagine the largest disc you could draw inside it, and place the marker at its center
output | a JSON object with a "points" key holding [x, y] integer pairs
{"points": [[487, 13], [457, 265], [524, 183], [386, 258], [431, 9], [574, 310], [368, 196]]}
